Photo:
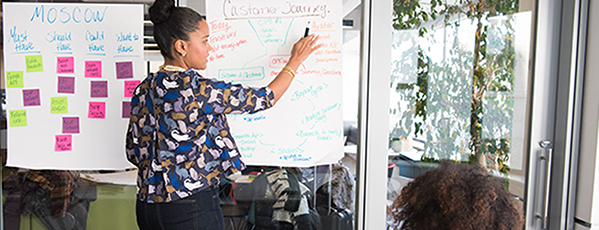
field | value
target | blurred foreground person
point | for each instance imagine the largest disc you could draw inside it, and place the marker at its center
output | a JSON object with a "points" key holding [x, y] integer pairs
{"points": [[456, 196]]}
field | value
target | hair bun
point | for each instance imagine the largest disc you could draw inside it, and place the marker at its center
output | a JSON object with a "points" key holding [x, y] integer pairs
{"points": [[161, 10]]}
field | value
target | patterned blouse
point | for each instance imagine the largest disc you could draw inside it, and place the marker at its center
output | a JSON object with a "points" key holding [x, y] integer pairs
{"points": [[178, 134]]}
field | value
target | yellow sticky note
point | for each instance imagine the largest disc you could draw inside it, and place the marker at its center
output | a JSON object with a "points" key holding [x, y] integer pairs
{"points": [[14, 79], [34, 63], [18, 118], [59, 105]]}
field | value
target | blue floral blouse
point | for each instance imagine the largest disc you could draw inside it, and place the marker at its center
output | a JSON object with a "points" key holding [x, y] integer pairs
{"points": [[178, 135]]}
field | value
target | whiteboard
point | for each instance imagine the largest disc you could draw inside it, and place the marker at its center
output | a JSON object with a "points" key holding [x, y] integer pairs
{"points": [[252, 41], [70, 70]]}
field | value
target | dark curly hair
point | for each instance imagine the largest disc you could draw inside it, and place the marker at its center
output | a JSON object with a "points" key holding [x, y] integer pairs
{"points": [[456, 196], [172, 23]]}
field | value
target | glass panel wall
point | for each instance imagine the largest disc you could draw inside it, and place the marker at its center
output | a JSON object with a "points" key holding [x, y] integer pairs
{"points": [[458, 89], [105, 199]]}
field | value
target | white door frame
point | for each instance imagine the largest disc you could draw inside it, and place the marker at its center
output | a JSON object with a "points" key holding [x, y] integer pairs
{"points": [[555, 112], [373, 115]]}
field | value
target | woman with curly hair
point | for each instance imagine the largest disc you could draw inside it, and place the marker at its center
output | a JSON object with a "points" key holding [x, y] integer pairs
{"points": [[456, 196]]}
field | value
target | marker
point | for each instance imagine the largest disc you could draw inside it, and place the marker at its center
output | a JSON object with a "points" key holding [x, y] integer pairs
{"points": [[307, 29]]}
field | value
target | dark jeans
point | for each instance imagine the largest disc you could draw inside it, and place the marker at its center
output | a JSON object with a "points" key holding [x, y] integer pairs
{"points": [[198, 211]]}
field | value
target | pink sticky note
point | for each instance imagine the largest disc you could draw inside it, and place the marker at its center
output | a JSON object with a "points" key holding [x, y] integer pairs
{"points": [[31, 97], [130, 87], [99, 89], [65, 65], [66, 85], [124, 70], [97, 110], [63, 143], [70, 125], [93, 69], [126, 109]]}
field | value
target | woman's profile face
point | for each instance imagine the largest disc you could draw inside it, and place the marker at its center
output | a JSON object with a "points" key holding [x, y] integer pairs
{"points": [[198, 48]]}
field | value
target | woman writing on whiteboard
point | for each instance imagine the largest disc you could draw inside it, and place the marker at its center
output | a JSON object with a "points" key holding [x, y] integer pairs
{"points": [[178, 134]]}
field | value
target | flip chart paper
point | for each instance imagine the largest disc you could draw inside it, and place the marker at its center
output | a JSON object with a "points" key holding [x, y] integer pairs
{"points": [[60, 49], [305, 127]]}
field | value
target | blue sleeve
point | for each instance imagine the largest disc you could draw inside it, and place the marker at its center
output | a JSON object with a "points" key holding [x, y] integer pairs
{"points": [[219, 97]]}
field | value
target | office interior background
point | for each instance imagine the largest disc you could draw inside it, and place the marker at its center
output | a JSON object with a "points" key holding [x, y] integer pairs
{"points": [[505, 84]]}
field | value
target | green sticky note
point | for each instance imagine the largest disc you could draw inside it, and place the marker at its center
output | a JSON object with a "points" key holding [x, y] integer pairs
{"points": [[59, 105], [18, 118], [14, 79], [34, 63]]}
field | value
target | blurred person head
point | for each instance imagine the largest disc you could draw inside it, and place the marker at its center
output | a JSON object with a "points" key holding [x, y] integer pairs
{"points": [[456, 196]]}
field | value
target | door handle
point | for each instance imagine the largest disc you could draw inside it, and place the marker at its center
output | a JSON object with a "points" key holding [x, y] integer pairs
{"points": [[545, 155]]}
